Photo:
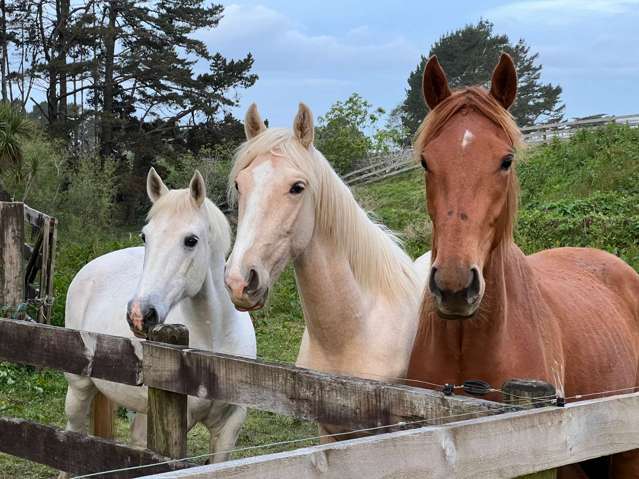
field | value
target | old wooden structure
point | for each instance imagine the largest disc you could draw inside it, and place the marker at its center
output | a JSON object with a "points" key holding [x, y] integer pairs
{"points": [[27, 258], [430, 434]]}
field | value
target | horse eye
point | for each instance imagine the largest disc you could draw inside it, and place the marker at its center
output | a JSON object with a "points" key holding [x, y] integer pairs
{"points": [[506, 162], [297, 188], [236, 187], [143, 237], [190, 241], [424, 164]]}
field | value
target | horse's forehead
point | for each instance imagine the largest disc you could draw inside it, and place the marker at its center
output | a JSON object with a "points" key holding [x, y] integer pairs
{"points": [[268, 168], [468, 131], [175, 220]]}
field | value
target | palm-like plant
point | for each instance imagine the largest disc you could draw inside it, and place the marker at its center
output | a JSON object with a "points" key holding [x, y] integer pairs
{"points": [[15, 127]]}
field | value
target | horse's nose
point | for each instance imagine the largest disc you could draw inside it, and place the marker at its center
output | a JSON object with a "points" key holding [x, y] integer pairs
{"points": [[447, 291], [141, 317], [241, 286]]}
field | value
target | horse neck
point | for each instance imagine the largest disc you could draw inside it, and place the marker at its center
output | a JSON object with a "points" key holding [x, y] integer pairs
{"points": [[209, 313], [332, 299]]}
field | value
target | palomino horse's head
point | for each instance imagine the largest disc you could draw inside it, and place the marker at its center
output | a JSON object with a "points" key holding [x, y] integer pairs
{"points": [[466, 145], [273, 181], [183, 230]]}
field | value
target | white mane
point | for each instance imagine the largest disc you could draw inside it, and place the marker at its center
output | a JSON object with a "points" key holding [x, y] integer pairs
{"points": [[376, 258], [176, 202]]}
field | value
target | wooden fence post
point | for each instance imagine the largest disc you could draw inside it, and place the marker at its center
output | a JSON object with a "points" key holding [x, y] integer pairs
{"points": [[167, 411], [530, 394], [11, 261]]}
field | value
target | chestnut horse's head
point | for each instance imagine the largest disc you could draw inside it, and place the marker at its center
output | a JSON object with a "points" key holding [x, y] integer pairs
{"points": [[466, 145]]}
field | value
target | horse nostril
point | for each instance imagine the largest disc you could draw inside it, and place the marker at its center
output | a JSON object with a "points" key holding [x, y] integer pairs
{"points": [[474, 287], [253, 282], [432, 283], [151, 316]]}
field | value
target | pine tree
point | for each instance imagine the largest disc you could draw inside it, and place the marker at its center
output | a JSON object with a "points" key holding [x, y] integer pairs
{"points": [[469, 56]]}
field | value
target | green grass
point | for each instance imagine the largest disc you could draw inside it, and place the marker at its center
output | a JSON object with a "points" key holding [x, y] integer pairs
{"points": [[582, 193]]}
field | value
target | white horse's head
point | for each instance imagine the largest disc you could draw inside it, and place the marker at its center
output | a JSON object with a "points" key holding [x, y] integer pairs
{"points": [[274, 180], [183, 230]]}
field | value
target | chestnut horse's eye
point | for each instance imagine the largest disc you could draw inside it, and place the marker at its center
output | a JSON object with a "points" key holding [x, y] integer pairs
{"points": [[190, 241], [297, 188], [424, 164], [506, 162]]}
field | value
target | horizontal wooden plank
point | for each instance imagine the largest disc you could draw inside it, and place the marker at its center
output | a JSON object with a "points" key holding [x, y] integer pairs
{"points": [[299, 392], [77, 453], [504, 446], [79, 352], [34, 217]]}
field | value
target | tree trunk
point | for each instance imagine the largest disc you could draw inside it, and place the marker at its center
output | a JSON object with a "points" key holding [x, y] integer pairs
{"points": [[4, 49], [63, 22], [106, 137]]}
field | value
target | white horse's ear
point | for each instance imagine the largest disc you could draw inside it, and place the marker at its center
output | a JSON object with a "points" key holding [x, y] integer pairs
{"points": [[253, 124], [198, 189], [303, 125], [155, 187]]}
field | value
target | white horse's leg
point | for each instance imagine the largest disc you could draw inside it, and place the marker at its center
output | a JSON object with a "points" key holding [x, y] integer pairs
{"points": [[77, 406], [223, 438], [138, 430]]}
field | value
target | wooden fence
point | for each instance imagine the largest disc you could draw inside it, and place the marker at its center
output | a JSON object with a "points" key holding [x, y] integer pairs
{"points": [[27, 257], [493, 440]]}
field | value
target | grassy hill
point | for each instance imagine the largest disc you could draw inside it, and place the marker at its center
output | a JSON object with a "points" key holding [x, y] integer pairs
{"points": [[584, 192]]}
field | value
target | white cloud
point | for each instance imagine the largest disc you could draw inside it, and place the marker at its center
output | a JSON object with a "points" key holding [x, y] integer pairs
{"points": [[280, 44]]}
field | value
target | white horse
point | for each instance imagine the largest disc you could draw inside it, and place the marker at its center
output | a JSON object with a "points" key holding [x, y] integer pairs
{"points": [[360, 291], [177, 277]]}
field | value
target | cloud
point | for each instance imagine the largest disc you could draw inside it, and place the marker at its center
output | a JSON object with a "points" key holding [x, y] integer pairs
{"points": [[561, 12], [283, 45]]}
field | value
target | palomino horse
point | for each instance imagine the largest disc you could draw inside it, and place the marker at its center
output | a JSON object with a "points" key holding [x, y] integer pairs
{"points": [[359, 291], [568, 316], [177, 277]]}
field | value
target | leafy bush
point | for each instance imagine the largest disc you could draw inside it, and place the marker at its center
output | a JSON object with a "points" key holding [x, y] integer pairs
{"points": [[213, 163]]}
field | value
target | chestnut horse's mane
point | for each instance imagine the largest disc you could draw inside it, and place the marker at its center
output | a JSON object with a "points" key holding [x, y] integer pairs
{"points": [[477, 98]]}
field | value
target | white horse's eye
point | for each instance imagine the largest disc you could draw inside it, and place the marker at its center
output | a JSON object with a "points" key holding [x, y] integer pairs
{"points": [[143, 238], [190, 241]]}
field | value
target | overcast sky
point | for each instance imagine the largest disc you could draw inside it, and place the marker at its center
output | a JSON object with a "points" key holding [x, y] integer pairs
{"points": [[321, 51]]}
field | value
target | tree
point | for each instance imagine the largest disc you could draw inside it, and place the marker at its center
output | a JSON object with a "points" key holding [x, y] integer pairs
{"points": [[15, 127], [341, 133], [469, 56]]}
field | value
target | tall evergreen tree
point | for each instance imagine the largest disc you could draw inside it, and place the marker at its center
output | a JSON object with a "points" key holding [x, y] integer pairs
{"points": [[469, 56]]}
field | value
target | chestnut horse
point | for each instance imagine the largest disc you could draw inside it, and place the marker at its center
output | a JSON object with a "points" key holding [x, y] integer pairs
{"points": [[568, 316]]}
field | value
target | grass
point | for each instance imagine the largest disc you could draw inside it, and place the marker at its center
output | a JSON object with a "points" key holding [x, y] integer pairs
{"points": [[583, 192]]}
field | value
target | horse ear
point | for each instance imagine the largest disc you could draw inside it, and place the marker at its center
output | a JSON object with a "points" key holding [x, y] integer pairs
{"points": [[303, 125], [253, 124], [198, 189], [434, 83], [503, 86], [155, 187]]}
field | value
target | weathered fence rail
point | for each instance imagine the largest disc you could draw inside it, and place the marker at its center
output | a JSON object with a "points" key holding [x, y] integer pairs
{"points": [[506, 446]]}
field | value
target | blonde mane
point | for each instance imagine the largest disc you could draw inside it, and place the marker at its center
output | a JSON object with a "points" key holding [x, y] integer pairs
{"points": [[377, 260], [477, 98], [176, 202]]}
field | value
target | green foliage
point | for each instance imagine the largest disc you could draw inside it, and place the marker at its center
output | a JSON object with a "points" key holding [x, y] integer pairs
{"points": [[349, 133], [15, 127], [341, 132], [214, 163], [469, 56]]}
